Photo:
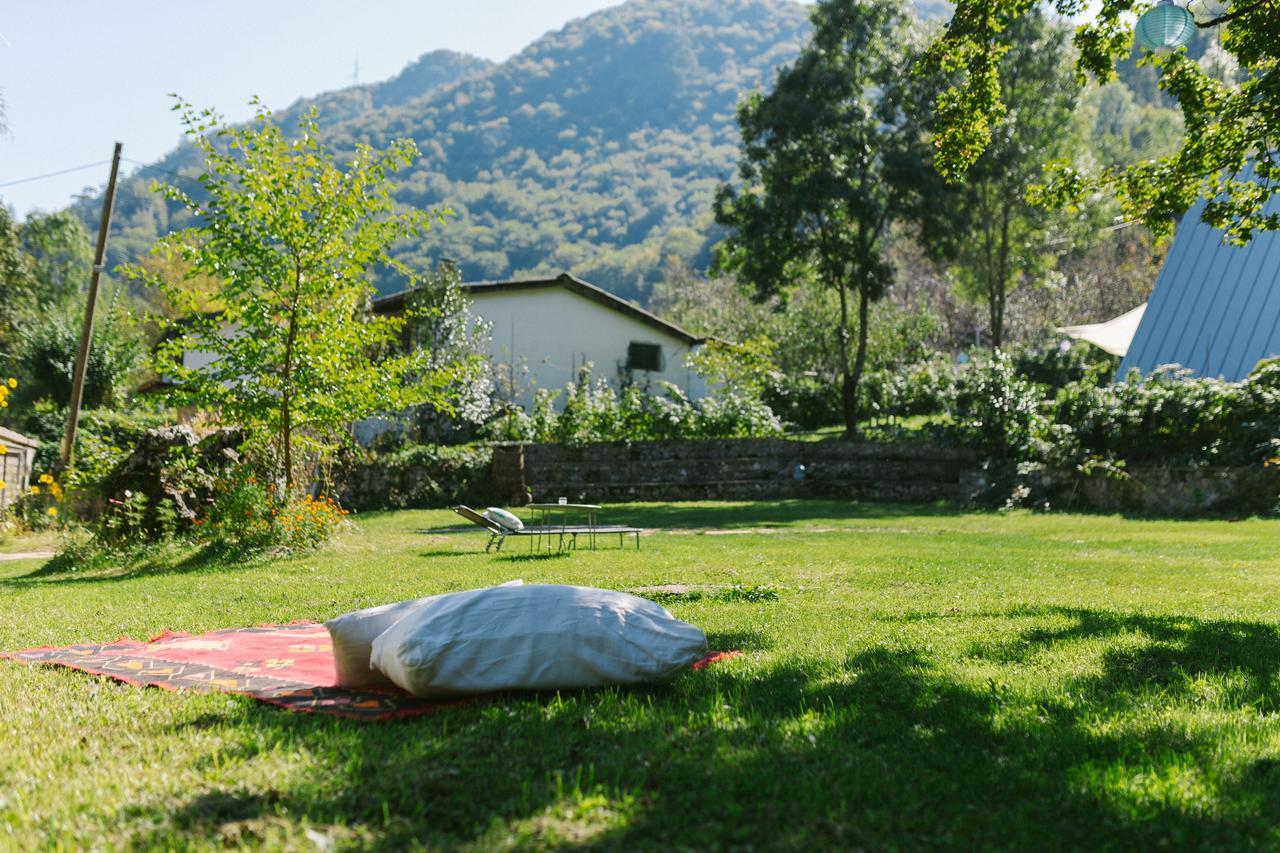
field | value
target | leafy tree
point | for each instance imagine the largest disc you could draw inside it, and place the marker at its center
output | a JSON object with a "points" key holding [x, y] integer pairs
{"points": [[293, 237], [61, 254], [47, 349], [985, 226], [830, 159], [17, 283], [1228, 155], [454, 339]]}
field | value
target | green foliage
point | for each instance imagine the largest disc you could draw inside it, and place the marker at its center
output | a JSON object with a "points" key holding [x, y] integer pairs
{"points": [[1055, 366], [746, 368], [61, 253], [997, 409], [831, 157], [455, 342], [594, 411], [985, 226], [1228, 117], [293, 237], [248, 516], [46, 357], [1169, 418], [17, 282]]}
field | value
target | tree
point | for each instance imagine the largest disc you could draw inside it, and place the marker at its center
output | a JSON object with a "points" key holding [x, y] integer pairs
{"points": [[17, 283], [61, 254], [831, 158], [985, 226], [47, 354], [453, 339], [293, 237], [1228, 155]]}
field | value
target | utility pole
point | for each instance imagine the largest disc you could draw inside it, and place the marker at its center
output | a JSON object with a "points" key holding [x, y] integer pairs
{"points": [[86, 332]]}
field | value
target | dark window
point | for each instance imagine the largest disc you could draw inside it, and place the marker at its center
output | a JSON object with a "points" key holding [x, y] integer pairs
{"points": [[644, 356]]}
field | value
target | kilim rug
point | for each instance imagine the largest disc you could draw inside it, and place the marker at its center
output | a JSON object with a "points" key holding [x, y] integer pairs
{"points": [[286, 665]]}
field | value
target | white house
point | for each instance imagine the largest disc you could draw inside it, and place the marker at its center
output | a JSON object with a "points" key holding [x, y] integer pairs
{"points": [[545, 329]]}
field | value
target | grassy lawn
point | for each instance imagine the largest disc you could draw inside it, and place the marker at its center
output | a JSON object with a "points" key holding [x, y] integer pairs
{"points": [[924, 678]]}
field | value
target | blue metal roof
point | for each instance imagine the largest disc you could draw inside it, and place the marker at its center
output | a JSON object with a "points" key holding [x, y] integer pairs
{"points": [[1215, 308]]}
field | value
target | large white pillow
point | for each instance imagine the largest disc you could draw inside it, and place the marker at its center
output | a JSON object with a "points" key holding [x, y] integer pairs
{"points": [[503, 518], [534, 637], [352, 635]]}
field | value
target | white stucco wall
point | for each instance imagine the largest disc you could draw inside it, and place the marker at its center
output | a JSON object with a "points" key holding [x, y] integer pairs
{"points": [[542, 336]]}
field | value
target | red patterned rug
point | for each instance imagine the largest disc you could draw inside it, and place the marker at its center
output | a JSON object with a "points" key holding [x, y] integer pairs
{"points": [[286, 665]]}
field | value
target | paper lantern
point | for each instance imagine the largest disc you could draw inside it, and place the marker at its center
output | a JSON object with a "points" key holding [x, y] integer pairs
{"points": [[1164, 28]]}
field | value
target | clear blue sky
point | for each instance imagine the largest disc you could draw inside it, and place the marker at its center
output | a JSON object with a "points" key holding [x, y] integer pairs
{"points": [[78, 75]]}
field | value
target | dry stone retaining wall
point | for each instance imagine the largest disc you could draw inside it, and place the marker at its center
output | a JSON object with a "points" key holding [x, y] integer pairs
{"points": [[739, 469]]}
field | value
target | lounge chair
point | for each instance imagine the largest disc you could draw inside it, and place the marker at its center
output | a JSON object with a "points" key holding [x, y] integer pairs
{"points": [[498, 534]]}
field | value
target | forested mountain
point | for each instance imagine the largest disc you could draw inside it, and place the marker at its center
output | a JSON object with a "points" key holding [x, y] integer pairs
{"points": [[597, 149]]}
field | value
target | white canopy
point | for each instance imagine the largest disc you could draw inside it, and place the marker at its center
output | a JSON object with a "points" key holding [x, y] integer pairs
{"points": [[1114, 335]]}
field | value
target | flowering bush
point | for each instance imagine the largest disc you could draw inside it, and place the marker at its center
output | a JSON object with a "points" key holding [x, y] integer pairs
{"points": [[594, 411], [40, 508], [997, 409], [247, 515]]}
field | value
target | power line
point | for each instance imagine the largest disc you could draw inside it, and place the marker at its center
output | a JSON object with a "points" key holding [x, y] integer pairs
{"points": [[169, 172], [54, 174]]}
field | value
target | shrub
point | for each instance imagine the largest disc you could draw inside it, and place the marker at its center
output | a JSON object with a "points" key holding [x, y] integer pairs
{"points": [[249, 515], [41, 507], [593, 411], [1055, 366], [997, 409]]}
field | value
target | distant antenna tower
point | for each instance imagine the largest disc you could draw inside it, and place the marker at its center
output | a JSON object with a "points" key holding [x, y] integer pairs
{"points": [[355, 72]]}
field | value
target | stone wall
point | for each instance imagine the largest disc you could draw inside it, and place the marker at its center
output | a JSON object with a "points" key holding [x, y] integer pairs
{"points": [[739, 469], [1182, 492]]}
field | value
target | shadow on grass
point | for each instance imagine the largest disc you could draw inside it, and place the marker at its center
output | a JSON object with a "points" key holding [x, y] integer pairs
{"points": [[70, 568], [533, 556], [440, 552], [743, 514], [883, 750]]}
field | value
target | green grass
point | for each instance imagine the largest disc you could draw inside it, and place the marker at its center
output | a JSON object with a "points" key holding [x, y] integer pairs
{"points": [[923, 678]]}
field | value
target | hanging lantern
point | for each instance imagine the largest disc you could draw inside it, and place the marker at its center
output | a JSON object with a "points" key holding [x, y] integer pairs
{"points": [[1164, 28]]}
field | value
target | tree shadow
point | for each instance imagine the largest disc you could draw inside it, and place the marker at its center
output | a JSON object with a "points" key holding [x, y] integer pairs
{"points": [[109, 567], [1154, 652], [882, 750], [747, 514]]}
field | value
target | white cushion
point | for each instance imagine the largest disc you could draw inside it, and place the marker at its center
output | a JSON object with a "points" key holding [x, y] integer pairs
{"points": [[534, 637], [500, 516], [352, 635]]}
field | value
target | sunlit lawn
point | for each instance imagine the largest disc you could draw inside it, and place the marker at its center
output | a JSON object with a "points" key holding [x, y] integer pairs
{"points": [[925, 678]]}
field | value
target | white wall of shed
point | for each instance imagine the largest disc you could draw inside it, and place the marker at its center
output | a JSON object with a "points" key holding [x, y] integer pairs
{"points": [[543, 336]]}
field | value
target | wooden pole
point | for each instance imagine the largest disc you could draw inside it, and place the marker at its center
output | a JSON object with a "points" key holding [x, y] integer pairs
{"points": [[86, 331]]}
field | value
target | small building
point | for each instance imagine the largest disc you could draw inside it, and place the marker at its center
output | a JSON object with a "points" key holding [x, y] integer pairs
{"points": [[1215, 308], [544, 330]]}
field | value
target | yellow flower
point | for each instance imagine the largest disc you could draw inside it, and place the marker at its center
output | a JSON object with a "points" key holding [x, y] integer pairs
{"points": [[46, 478], [35, 490], [52, 511], [3, 484], [4, 450], [13, 383]]}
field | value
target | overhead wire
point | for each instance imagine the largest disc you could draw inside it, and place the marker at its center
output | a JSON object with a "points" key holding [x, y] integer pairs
{"points": [[54, 174]]}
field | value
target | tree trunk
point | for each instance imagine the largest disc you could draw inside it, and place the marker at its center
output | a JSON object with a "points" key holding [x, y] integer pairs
{"points": [[860, 359], [286, 413], [1000, 288], [848, 385]]}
